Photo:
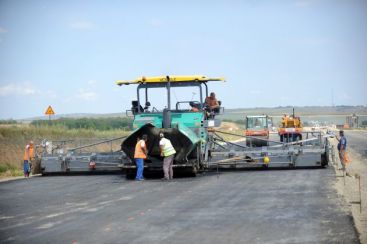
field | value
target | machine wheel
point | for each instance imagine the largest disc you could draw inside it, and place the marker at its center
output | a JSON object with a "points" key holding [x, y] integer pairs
{"points": [[36, 166], [191, 172], [130, 174], [324, 160], [248, 142]]}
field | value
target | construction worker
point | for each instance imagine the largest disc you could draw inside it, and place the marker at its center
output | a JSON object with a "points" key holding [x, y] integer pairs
{"points": [[212, 102], [342, 146], [28, 156], [194, 107], [140, 154], [168, 152]]}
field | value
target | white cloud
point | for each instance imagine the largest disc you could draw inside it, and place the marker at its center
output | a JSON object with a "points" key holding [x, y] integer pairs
{"points": [[18, 89], [255, 92], [82, 25], [50, 94], [86, 95], [156, 23], [3, 30], [92, 82]]}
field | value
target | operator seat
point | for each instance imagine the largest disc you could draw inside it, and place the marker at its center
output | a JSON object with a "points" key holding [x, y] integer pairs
{"points": [[146, 107], [135, 107]]}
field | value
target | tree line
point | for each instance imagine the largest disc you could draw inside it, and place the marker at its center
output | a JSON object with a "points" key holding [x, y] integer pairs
{"points": [[87, 123]]}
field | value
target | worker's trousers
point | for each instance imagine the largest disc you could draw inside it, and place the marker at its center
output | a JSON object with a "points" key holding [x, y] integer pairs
{"points": [[167, 167], [342, 160], [139, 168], [26, 168]]}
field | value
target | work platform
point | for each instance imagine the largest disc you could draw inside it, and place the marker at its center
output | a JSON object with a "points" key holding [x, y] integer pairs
{"points": [[313, 152]]}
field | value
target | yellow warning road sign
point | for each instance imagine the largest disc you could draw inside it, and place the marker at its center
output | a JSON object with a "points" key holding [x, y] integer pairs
{"points": [[49, 111]]}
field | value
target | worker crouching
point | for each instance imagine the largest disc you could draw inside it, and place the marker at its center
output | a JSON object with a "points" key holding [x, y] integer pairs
{"points": [[168, 152]]}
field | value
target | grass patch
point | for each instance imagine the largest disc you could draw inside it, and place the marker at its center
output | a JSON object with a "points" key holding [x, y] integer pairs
{"points": [[13, 139], [7, 170]]}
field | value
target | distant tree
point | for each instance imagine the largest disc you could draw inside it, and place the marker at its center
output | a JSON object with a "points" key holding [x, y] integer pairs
{"points": [[86, 123], [8, 122]]}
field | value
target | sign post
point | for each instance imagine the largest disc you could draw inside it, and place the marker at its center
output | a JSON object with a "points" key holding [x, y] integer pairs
{"points": [[49, 112]]}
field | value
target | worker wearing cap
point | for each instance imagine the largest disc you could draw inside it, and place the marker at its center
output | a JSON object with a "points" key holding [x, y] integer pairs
{"points": [[168, 152], [194, 107], [140, 154], [342, 146], [28, 156]]}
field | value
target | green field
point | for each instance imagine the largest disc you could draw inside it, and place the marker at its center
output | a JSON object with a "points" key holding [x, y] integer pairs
{"points": [[13, 139]]}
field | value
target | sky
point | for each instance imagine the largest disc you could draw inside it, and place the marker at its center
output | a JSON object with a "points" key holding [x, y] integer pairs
{"points": [[69, 54]]}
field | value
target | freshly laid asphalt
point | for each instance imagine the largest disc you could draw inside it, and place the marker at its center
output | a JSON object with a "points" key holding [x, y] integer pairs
{"points": [[279, 206]]}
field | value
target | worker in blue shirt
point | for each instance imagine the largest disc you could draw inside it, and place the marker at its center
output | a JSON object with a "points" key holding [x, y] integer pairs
{"points": [[342, 146]]}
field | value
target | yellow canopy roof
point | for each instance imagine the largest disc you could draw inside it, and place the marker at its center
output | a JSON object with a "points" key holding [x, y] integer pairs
{"points": [[174, 78]]}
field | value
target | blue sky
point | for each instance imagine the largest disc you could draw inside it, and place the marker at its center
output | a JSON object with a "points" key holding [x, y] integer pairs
{"points": [[69, 54]]}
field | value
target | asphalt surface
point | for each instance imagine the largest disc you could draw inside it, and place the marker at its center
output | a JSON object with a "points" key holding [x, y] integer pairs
{"points": [[357, 140], [280, 206]]}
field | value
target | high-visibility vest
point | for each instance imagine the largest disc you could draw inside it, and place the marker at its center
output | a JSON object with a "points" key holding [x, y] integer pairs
{"points": [[139, 153], [168, 149]]}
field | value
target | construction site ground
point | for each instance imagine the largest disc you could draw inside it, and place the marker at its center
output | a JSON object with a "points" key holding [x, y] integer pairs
{"points": [[272, 206], [354, 189]]}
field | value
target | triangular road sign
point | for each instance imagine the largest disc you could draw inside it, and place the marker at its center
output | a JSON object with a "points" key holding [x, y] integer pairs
{"points": [[49, 111]]}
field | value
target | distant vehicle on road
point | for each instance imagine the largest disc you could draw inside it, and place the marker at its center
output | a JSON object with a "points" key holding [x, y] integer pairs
{"points": [[257, 130], [290, 128]]}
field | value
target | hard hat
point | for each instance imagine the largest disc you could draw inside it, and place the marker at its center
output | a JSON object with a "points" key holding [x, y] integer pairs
{"points": [[266, 159]]}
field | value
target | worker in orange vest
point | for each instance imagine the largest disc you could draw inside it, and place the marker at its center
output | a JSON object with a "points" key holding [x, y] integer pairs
{"points": [[141, 153], [28, 156]]}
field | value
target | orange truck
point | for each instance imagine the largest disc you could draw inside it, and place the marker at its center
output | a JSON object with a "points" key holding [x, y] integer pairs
{"points": [[290, 129], [257, 130]]}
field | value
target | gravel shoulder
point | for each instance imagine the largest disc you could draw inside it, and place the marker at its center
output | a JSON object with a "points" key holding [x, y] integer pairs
{"points": [[348, 188]]}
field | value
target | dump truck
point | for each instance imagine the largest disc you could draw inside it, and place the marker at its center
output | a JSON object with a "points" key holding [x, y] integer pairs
{"points": [[257, 130]]}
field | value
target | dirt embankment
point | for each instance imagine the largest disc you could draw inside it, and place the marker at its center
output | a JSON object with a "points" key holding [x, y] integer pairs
{"points": [[354, 189]]}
